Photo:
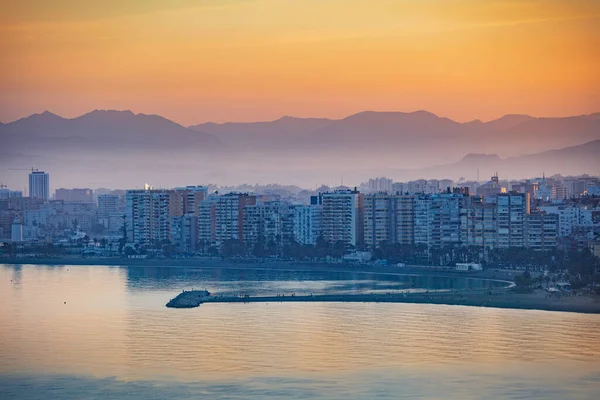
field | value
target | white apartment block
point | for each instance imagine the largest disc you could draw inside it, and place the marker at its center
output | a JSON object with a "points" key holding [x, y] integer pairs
{"points": [[308, 223], [512, 209]]}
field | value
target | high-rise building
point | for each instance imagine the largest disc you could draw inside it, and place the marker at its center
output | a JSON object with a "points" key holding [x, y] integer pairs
{"points": [[478, 224], [221, 218], [308, 223], [380, 185], [148, 215], [422, 219], [192, 196], [229, 216], [110, 212], [268, 224], [183, 232], [388, 218], [569, 217], [107, 204], [445, 218], [39, 185], [342, 217], [207, 222], [512, 209]]}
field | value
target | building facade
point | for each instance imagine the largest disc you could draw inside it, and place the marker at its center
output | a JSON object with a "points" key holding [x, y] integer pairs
{"points": [[342, 217], [308, 223], [388, 218], [39, 185], [541, 231], [511, 210]]}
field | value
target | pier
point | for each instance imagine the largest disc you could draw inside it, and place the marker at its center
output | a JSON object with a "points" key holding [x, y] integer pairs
{"points": [[498, 298]]}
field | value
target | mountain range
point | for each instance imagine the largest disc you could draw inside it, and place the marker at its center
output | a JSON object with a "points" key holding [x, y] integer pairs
{"points": [[567, 161], [122, 146], [421, 132], [101, 130]]}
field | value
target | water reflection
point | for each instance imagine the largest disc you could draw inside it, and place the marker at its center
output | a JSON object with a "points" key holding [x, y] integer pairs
{"points": [[111, 321], [230, 280]]}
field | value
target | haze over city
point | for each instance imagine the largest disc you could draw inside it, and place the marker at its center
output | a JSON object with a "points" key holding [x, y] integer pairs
{"points": [[293, 199], [194, 62]]}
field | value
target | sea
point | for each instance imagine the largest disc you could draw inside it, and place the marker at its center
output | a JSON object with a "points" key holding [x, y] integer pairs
{"points": [[103, 332]]}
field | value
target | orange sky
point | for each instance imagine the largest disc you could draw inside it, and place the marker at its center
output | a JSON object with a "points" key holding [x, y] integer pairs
{"points": [[243, 60]]}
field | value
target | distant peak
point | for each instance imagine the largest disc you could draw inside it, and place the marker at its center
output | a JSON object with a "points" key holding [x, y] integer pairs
{"points": [[44, 116], [514, 117], [97, 111], [517, 116], [424, 113], [102, 113], [480, 157], [508, 121], [286, 118], [393, 114]]}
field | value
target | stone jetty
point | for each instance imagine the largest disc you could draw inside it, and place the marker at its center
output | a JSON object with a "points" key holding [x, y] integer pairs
{"points": [[497, 298], [189, 299]]}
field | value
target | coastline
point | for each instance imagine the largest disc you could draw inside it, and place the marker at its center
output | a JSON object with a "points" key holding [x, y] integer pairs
{"points": [[502, 297], [286, 265]]}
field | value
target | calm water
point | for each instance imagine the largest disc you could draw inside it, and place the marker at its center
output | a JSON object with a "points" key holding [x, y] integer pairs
{"points": [[113, 338]]}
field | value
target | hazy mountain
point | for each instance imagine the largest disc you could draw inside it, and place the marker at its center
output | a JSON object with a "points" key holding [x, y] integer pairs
{"points": [[123, 149], [101, 130], [281, 133], [508, 121], [573, 160], [419, 135]]}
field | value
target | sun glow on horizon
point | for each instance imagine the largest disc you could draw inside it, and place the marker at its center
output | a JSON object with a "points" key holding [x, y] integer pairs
{"points": [[243, 60]]}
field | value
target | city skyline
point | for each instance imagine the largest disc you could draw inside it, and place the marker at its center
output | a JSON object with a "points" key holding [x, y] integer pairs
{"points": [[195, 61], [354, 199]]}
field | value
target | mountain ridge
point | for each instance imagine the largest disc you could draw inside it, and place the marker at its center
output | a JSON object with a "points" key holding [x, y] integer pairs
{"points": [[571, 160], [143, 147], [509, 135], [103, 129]]}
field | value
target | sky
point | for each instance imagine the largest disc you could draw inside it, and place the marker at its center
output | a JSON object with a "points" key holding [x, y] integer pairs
{"points": [[247, 60]]}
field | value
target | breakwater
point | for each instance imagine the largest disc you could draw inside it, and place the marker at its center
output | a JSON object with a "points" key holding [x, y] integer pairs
{"points": [[189, 299], [501, 298]]}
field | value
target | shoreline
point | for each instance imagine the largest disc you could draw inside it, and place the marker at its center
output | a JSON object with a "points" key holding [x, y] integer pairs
{"points": [[284, 265], [502, 297]]}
